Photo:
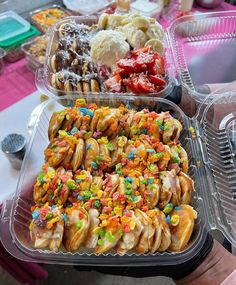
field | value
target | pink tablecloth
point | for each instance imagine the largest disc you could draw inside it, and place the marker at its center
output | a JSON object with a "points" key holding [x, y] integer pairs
{"points": [[16, 83]]}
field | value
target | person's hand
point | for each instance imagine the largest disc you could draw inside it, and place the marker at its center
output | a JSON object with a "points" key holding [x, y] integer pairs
{"points": [[216, 267]]}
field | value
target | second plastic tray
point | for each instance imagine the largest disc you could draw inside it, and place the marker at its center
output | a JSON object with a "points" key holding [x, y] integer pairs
{"points": [[203, 47], [43, 78]]}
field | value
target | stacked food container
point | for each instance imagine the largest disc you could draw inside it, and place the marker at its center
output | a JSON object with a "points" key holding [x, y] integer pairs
{"points": [[208, 138], [14, 31]]}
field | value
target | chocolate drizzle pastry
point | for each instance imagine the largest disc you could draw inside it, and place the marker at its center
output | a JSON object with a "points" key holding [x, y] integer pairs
{"points": [[71, 65]]}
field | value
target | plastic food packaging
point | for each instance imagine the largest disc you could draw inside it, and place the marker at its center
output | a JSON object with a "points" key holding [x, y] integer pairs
{"points": [[86, 7], [147, 8], [13, 46], [12, 25], [13, 31], [45, 18], [43, 77], [201, 43], [35, 52], [212, 168]]}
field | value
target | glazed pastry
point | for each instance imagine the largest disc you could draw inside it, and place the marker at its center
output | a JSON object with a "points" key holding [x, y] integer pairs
{"points": [[56, 152], [165, 156], [154, 215], [92, 151], [176, 189], [172, 129], [143, 244], [187, 187], [110, 184], [43, 186], [138, 122], [85, 179], [110, 233], [60, 150], [151, 233], [166, 193], [104, 159], [55, 123], [47, 227], [165, 234], [153, 193], [76, 228], [109, 121], [183, 159], [182, 227], [65, 184], [108, 242], [92, 238], [132, 227], [78, 154], [96, 184], [66, 162], [49, 186], [118, 144]]}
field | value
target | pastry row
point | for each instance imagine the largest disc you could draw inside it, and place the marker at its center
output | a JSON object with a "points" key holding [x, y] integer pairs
{"points": [[145, 191], [89, 120], [141, 232], [136, 155]]}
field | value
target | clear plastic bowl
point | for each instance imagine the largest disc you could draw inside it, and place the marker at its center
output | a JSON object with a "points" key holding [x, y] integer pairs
{"points": [[203, 47], [32, 62], [43, 76], [218, 175]]}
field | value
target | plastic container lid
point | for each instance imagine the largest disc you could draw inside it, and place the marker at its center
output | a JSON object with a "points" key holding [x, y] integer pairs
{"points": [[12, 25], [19, 39], [86, 7]]}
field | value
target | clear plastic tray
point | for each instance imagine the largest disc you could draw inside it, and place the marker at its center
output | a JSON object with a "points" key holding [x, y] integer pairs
{"points": [[32, 62], [16, 216], [43, 75], [203, 47], [218, 175]]}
